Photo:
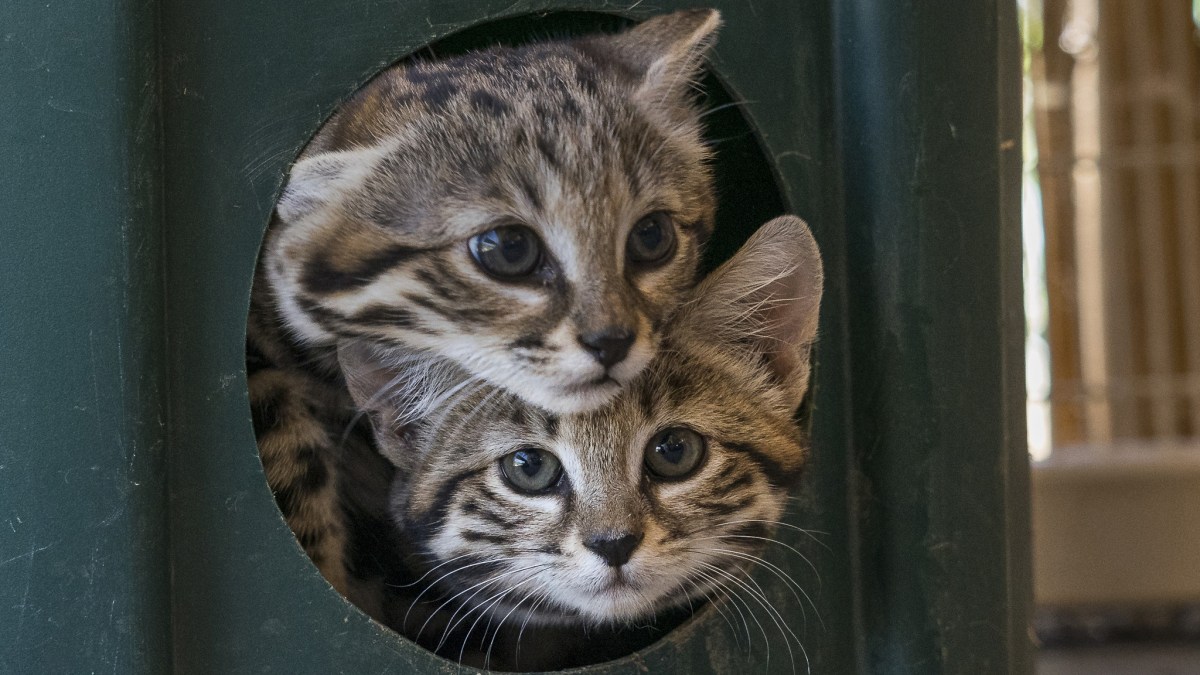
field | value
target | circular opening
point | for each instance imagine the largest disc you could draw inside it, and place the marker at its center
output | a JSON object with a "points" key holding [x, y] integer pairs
{"points": [[292, 408]]}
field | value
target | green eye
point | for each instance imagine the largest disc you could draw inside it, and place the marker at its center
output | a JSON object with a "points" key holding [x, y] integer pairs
{"points": [[507, 251], [675, 453], [531, 470], [652, 239]]}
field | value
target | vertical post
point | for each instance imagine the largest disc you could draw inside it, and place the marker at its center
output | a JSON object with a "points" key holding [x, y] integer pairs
{"points": [[1097, 272], [929, 114], [1181, 57], [1113, 268], [1156, 384], [84, 579]]}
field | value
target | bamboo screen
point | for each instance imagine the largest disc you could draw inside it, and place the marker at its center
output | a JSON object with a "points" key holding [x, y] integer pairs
{"points": [[1116, 97]]}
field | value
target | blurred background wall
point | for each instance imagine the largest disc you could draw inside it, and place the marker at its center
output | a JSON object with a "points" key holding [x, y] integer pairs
{"points": [[1112, 235]]}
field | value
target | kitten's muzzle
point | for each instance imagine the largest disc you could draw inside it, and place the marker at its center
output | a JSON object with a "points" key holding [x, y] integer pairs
{"points": [[614, 549], [609, 346]]}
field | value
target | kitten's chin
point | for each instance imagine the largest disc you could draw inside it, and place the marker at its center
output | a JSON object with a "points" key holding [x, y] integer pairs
{"points": [[580, 398], [584, 394], [621, 602], [568, 399], [619, 606]]}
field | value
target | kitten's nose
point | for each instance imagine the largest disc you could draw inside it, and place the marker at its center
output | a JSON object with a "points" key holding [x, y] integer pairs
{"points": [[615, 549], [609, 345]]}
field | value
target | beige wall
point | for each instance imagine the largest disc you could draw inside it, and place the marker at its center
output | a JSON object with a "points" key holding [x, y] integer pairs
{"points": [[1117, 528]]}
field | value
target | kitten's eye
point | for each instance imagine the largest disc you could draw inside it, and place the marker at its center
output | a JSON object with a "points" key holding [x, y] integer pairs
{"points": [[674, 453], [652, 239], [507, 251], [531, 470]]}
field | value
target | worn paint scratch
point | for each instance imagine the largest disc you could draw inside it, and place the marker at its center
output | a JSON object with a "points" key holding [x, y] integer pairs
{"points": [[92, 371], [228, 379], [25, 598], [60, 106], [112, 517], [28, 554], [787, 154]]}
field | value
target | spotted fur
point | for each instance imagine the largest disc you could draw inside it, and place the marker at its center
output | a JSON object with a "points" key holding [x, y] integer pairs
{"points": [[576, 139], [734, 368]]}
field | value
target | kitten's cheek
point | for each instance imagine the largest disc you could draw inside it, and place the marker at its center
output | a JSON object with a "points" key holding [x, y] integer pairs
{"points": [[526, 302]]}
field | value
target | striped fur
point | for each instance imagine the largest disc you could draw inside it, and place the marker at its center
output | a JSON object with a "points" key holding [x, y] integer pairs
{"points": [[577, 140], [734, 368]]}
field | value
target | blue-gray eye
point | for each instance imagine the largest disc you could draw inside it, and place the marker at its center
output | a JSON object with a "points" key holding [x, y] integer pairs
{"points": [[507, 251], [652, 239], [674, 453], [531, 470]]}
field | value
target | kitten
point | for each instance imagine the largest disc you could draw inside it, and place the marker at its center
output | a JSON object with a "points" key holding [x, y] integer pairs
{"points": [[507, 514], [531, 214]]}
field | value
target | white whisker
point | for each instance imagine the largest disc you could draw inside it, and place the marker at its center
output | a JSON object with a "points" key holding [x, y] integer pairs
{"points": [[791, 583], [760, 597], [485, 607], [770, 541], [749, 610], [488, 654], [435, 582], [482, 584]]}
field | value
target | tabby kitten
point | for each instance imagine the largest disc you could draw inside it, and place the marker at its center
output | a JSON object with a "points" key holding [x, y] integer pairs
{"points": [[513, 519], [531, 214]]}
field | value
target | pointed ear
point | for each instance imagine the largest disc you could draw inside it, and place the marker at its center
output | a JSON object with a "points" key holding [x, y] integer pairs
{"points": [[371, 384], [368, 377], [321, 179], [400, 391], [394, 390], [764, 303], [665, 51]]}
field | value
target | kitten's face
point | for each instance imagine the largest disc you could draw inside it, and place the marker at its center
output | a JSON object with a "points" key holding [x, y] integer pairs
{"points": [[611, 515], [655, 498], [531, 214]]}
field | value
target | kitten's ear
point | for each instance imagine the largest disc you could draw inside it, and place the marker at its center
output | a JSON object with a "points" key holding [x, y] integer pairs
{"points": [[668, 50], [368, 376], [398, 389], [765, 301], [385, 387], [319, 180]]}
